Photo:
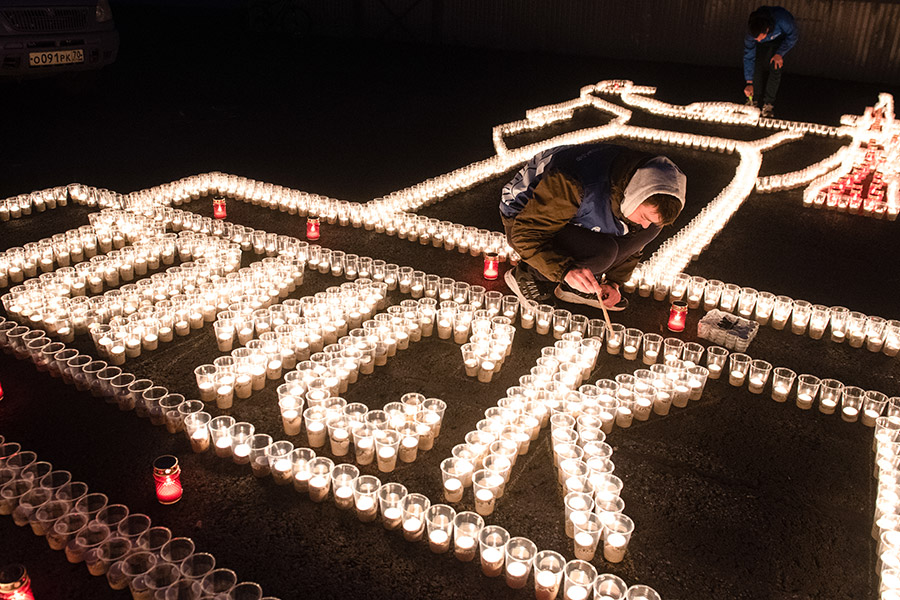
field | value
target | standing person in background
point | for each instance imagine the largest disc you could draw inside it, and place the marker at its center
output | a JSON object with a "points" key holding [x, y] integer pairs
{"points": [[771, 33]]}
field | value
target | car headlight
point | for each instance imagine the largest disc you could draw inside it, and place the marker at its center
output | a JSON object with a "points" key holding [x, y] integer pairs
{"points": [[104, 12]]}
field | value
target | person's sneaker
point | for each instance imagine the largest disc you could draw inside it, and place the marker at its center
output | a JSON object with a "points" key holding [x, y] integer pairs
{"points": [[567, 293], [526, 286], [767, 110]]}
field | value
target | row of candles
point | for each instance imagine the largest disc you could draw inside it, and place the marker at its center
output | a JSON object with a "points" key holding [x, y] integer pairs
{"points": [[103, 236], [39, 201], [109, 539], [804, 318], [866, 180], [411, 513], [47, 303]]}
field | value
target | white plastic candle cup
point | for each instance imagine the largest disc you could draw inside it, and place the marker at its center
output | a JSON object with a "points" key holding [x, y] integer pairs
{"points": [[113, 549], [485, 492], [492, 542], [818, 321], [239, 434], [278, 456], [716, 360], [220, 436], [578, 579], [466, 528], [800, 316], [575, 503], [291, 407], [807, 390], [874, 403], [28, 503], [856, 329], [218, 582], [342, 479], [782, 383], [300, 470], [614, 338], [319, 483], [851, 403], [456, 474], [132, 526], [739, 366], [697, 377], [364, 444], [672, 349], [44, 516], [65, 528], [439, 527], [390, 496], [759, 375], [339, 435], [692, 353], [875, 333], [123, 573], [409, 442], [365, 497], [829, 395], [838, 319], [781, 312], [587, 536], [617, 534], [520, 553], [316, 429], [387, 446], [414, 507], [528, 314], [642, 592], [631, 343], [548, 573]]}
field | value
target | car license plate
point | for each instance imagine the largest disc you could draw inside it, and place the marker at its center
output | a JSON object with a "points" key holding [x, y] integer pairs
{"points": [[55, 57]]}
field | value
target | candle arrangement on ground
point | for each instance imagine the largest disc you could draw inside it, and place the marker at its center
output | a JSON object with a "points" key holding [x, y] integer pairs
{"points": [[267, 335]]}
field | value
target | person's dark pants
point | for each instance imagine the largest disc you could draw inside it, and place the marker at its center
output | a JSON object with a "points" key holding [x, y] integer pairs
{"points": [[766, 78], [601, 252]]}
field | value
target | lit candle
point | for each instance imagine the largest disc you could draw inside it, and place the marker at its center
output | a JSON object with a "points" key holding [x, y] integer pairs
{"points": [[491, 266], [464, 548], [15, 584], [492, 561], [413, 528], [614, 547], [167, 476], [677, 316], [516, 574], [484, 502], [453, 490], [804, 401], [546, 585], [585, 546], [439, 541], [312, 228], [200, 440]]}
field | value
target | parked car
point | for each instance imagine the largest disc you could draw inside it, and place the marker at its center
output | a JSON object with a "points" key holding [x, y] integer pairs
{"points": [[43, 37]]}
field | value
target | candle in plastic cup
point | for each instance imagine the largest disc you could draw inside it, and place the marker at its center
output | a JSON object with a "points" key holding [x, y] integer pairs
{"points": [[520, 553], [548, 573], [617, 535], [390, 495], [492, 542]]}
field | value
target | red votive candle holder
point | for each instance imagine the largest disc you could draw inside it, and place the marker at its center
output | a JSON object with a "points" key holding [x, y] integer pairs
{"points": [[312, 228], [167, 475], [491, 265], [15, 583], [677, 316], [219, 211]]}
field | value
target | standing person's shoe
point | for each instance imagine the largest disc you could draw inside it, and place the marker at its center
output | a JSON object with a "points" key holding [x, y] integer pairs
{"points": [[567, 293], [523, 283], [767, 110]]}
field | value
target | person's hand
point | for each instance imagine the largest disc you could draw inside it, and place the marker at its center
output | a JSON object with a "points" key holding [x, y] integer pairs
{"points": [[778, 61], [610, 294], [748, 90], [583, 280]]}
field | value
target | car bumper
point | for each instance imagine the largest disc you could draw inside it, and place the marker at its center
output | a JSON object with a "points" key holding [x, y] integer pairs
{"points": [[99, 49]]}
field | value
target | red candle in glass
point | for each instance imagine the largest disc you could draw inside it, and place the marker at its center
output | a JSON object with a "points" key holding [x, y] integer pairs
{"points": [[677, 316], [312, 228], [15, 583], [219, 211], [167, 476], [491, 266]]}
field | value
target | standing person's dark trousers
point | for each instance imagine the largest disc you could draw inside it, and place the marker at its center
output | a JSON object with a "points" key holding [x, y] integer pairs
{"points": [[766, 78]]}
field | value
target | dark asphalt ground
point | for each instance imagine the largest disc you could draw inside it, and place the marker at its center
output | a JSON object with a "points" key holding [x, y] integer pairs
{"points": [[734, 497]]}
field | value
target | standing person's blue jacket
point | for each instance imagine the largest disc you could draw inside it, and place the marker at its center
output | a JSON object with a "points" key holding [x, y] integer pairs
{"points": [[784, 29]]}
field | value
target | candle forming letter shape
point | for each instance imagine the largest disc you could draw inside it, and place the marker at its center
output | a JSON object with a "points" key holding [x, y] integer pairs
{"points": [[167, 475]]}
